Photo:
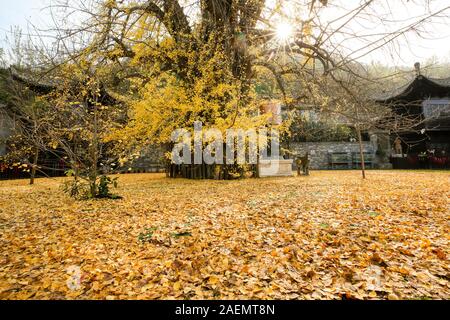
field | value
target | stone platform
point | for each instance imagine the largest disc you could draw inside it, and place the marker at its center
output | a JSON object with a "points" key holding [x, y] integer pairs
{"points": [[275, 168]]}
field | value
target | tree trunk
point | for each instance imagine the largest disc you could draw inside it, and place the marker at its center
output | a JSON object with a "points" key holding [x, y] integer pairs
{"points": [[361, 152], [33, 169], [95, 151]]}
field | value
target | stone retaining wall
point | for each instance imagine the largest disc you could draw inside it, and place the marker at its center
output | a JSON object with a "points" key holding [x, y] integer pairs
{"points": [[151, 160], [152, 157]]}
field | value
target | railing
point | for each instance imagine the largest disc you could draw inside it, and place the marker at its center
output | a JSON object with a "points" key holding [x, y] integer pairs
{"points": [[415, 161], [348, 160], [368, 160], [46, 168], [340, 160], [151, 168]]}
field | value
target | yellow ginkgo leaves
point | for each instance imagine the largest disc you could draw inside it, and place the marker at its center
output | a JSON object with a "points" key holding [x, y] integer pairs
{"points": [[286, 238]]}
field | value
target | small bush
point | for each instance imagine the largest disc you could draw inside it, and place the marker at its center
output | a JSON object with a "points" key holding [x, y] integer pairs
{"points": [[76, 189], [104, 186], [84, 190]]}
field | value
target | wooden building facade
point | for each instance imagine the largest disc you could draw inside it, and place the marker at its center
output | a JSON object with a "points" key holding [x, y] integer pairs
{"points": [[426, 145]]}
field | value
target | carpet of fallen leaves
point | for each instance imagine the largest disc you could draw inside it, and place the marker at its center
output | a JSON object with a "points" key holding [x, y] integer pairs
{"points": [[328, 236]]}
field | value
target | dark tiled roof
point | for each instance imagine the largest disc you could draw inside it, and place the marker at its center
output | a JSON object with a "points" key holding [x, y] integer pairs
{"points": [[418, 89], [445, 82], [392, 93]]}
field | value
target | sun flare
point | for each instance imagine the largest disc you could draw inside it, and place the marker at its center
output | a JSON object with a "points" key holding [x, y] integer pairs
{"points": [[284, 32]]}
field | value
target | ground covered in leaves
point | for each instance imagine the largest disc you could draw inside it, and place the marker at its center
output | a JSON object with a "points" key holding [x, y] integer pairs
{"points": [[328, 236]]}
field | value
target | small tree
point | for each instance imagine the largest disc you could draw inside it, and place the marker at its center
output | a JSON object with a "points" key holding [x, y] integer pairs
{"points": [[84, 114], [68, 120]]}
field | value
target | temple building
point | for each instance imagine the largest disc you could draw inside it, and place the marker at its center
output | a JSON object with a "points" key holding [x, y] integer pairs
{"points": [[426, 144]]}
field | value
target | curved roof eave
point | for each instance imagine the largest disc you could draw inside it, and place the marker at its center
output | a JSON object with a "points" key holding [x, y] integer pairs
{"points": [[411, 90]]}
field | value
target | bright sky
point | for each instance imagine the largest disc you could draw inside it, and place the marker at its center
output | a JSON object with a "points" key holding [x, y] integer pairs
{"points": [[19, 12], [22, 12], [406, 50]]}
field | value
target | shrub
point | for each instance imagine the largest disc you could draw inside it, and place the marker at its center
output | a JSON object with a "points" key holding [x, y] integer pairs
{"points": [[84, 189]]}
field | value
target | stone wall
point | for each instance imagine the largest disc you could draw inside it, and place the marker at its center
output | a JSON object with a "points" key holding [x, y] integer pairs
{"points": [[150, 160], [319, 151]]}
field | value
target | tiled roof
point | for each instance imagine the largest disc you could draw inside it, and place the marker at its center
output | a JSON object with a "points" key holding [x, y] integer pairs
{"points": [[388, 95], [445, 82]]}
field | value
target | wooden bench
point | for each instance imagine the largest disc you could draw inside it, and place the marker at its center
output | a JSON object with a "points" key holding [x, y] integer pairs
{"points": [[368, 160], [339, 160]]}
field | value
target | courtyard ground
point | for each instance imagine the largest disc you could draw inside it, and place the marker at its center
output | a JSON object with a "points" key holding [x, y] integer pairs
{"points": [[328, 236]]}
